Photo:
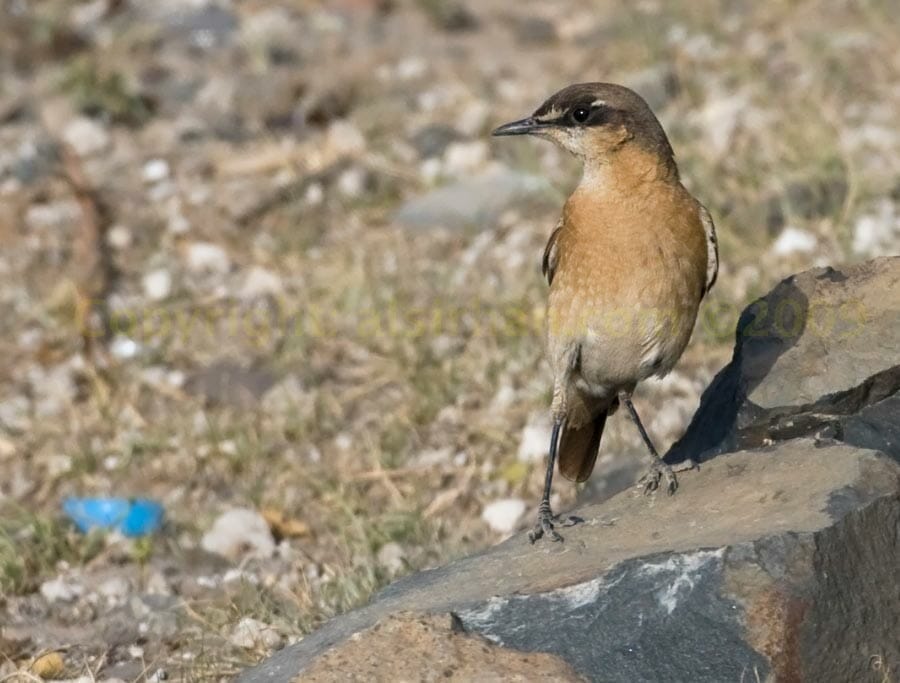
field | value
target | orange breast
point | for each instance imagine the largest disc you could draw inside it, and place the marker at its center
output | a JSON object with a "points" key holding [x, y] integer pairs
{"points": [[629, 277]]}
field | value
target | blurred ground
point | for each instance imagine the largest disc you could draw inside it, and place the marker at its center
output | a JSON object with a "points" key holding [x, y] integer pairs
{"points": [[320, 281]]}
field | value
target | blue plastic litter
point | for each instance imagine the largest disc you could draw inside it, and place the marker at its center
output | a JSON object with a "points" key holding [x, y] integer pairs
{"points": [[131, 516]]}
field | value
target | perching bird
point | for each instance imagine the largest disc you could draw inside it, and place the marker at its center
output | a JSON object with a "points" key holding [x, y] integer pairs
{"points": [[628, 264]]}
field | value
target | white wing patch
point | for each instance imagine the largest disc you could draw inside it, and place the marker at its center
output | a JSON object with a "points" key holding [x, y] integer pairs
{"points": [[712, 249]]}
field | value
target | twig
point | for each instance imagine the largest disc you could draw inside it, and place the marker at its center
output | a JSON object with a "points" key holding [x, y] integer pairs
{"points": [[95, 270]]}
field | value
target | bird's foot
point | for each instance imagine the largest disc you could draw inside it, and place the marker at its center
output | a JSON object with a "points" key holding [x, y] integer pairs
{"points": [[655, 474], [545, 524]]}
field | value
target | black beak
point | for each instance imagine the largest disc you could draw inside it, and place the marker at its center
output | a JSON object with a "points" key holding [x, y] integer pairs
{"points": [[520, 127]]}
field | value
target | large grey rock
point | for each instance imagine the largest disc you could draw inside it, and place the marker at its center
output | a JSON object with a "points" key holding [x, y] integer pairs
{"points": [[777, 562], [475, 201], [812, 357]]}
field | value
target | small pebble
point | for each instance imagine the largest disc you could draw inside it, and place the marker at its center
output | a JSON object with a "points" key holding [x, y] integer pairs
{"points": [[252, 633], [503, 515], [239, 532], [155, 170]]}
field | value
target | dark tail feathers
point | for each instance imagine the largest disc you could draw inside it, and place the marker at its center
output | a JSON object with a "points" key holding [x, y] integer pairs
{"points": [[578, 448]]}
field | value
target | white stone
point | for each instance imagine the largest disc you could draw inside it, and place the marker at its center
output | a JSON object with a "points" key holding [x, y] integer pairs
{"points": [[115, 589], [155, 170], [411, 68], [53, 389], [52, 214], [119, 237], [464, 157], [878, 232], [58, 464], [157, 284], [794, 241], [206, 257], [15, 413], [314, 194], [352, 182], [344, 139], [86, 136], [259, 282], [61, 590], [719, 118], [124, 348], [472, 120], [392, 557], [535, 439], [252, 633], [238, 533], [503, 515]]}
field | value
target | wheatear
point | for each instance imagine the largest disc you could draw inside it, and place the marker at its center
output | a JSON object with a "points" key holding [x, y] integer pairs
{"points": [[630, 260]]}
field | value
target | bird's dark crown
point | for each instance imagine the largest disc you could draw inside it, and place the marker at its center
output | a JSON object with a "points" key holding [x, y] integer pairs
{"points": [[615, 114], [599, 104]]}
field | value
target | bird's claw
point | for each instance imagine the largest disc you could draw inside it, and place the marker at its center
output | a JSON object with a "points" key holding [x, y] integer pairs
{"points": [[651, 480], [545, 525]]}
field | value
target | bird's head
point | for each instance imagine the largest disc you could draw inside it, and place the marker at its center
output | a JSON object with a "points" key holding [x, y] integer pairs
{"points": [[593, 121]]}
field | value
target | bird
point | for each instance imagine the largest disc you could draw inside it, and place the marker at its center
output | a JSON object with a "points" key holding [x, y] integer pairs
{"points": [[628, 264]]}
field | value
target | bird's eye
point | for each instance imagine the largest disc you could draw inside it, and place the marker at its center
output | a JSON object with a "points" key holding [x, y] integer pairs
{"points": [[580, 114]]}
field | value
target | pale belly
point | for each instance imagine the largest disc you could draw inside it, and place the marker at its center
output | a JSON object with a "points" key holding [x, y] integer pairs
{"points": [[622, 339]]}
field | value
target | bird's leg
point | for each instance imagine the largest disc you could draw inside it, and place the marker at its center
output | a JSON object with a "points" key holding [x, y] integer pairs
{"points": [[546, 517], [657, 467], [545, 514]]}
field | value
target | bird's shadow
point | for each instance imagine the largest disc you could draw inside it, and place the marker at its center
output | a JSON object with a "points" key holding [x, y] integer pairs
{"points": [[766, 329]]}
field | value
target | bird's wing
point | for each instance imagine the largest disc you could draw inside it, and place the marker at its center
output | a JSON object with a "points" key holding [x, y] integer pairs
{"points": [[712, 249], [551, 254]]}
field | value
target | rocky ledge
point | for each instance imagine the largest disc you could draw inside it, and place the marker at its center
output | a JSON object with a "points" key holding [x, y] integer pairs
{"points": [[776, 560]]}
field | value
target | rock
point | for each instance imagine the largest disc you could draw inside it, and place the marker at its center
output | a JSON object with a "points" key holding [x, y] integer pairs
{"points": [[656, 84], [15, 413], [473, 201], [351, 183], [450, 15], [239, 533], [462, 158], [157, 284], [794, 241], [259, 283], [536, 30], [535, 439], [432, 140], [119, 237], [53, 389], [155, 170], [392, 557], [720, 117], [819, 348], [86, 136], [473, 119], [503, 515], [344, 139], [115, 589], [52, 214], [252, 633], [61, 589], [878, 231], [227, 383], [778, 561], [876, 426], [205, 25], [124, 347], [206, 257], [289, 398], [435, 648]]}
